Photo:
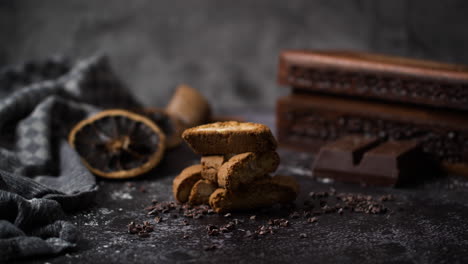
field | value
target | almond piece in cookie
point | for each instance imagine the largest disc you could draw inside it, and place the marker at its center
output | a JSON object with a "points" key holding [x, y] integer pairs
{"points": [[201, 192], [183, 183], [261, 193], [210, 167], [229, 137], [245, 168]]}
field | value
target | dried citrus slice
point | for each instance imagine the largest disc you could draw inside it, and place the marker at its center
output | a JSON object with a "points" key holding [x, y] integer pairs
{"points": [[171, 126], [118, 144]]}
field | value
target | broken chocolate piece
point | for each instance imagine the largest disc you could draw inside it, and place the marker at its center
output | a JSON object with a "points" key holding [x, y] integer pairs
{"points": [[307, 122], [373, 76], [361, 160]]}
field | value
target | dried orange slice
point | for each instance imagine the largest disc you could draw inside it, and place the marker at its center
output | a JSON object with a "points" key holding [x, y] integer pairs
{"points": [[171, 126], [118, 144]]}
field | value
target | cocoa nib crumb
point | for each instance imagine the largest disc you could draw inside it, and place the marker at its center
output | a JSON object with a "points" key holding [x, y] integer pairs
{"points": [[278, 222], [227, 227], [263, 230], [212, 230], [318, 195], [132, 228], [354, 202], [210, 227], [294, 215], [387, 197], [317, 204], [210, 247], [143, 234], [142, 230]]}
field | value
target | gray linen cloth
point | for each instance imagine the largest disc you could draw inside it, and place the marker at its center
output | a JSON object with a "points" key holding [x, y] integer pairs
{"points": [[41, 176]]}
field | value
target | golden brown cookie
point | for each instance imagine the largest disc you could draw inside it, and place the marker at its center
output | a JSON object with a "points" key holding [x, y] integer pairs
{"points": [[190, 106], [245, 168], [183, 183], [201, 191], [210, 167], [261, 193], [229, 137]]}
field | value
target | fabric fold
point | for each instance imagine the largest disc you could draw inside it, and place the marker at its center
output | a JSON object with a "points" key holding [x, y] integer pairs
{"points": [[41, 176]]}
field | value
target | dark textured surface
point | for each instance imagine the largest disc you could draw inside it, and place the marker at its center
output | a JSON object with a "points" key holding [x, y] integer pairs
{"points": [[425, 224], [228, 49]]}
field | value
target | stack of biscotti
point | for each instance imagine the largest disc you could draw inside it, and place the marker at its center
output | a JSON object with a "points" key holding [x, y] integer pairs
{"points": [[336, 94], [237, 159]]}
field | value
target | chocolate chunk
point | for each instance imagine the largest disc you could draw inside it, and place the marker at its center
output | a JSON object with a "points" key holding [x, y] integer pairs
{"points": [[307, 122], [381, 77], [364, 160]]}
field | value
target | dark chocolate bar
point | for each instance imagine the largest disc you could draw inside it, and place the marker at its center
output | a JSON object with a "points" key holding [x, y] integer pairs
{"points": [[372, 162], [371, 76], [307, 122]]}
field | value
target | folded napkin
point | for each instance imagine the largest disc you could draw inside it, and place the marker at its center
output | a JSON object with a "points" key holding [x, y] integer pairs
{"points": [[41, 176]]}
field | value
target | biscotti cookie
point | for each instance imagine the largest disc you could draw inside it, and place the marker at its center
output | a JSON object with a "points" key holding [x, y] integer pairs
{"points": [[201, 191], [229, 137], [210, 167], [264, 192], [189, 106], [246, 167], [183, 183]]}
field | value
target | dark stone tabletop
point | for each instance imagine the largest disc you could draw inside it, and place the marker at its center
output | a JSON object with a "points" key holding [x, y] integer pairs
{"points": [[424, 224]]}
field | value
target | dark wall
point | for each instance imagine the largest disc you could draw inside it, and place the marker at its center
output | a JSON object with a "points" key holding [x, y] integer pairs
{"points": [[226, 48]]}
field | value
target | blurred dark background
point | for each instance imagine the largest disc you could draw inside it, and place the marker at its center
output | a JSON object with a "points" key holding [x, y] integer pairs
{"points": [[228, 49]]}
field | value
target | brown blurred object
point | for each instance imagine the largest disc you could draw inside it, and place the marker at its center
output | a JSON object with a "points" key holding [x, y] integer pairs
{"points": [[370, 161], [376, 76], [187, 108], [190, 106], [171, 126], [339, 93]]}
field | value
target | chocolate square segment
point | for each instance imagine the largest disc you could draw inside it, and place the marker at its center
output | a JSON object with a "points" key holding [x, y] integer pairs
{"points": [[372, 162], [375, 76]]}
